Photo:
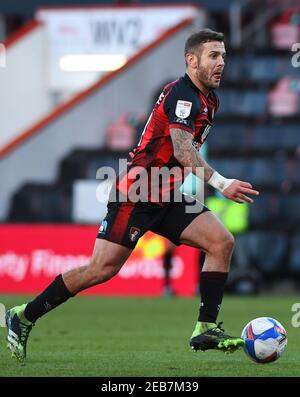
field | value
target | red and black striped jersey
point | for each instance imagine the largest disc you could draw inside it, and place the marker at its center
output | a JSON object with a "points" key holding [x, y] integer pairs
{"points": [[180, 105]]}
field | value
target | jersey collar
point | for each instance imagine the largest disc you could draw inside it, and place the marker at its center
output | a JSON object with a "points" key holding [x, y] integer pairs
{"points": [[190, 82]]}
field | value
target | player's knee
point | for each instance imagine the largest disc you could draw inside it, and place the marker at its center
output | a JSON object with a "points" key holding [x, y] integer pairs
{"points": [[225, 244], [101, 272], [107, 272], [228, 243]]}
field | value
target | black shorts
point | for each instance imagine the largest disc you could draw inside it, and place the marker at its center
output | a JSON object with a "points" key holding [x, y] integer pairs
{"points": [[126, 222]]}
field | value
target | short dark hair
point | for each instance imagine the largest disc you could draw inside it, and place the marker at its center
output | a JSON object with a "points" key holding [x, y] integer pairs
{"points": [[203, 36]]}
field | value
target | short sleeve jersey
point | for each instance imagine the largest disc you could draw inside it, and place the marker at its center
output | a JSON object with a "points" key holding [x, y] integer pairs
{"points": [[180, 105]]}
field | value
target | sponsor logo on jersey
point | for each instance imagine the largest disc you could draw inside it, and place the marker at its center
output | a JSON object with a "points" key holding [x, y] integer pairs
{"points": [[134, 233], [103, 227], [183, 109], [180, 121]]}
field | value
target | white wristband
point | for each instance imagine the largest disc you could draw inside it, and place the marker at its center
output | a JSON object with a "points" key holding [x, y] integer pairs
{"points": [[219, 182]]}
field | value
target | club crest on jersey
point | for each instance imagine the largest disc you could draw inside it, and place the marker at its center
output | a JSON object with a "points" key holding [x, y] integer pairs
{"points": [[183, 109], [134, 233]]}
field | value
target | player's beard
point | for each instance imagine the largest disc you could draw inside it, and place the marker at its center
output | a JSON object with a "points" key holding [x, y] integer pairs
{"points": [[203, 76]]}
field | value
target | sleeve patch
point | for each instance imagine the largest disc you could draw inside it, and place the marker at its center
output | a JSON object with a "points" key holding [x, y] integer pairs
{"points": [[183, 109]]}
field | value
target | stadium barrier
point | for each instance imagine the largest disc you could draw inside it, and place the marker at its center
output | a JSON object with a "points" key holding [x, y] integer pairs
{"points": [[31, 256]]}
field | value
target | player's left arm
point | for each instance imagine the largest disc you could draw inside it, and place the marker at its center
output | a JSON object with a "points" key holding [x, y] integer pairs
{"points": [[188, 156]]}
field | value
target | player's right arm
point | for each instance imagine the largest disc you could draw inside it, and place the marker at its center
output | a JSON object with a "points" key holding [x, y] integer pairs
{"points": [[186, 154]]}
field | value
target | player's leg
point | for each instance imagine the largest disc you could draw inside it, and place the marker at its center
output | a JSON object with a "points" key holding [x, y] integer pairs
{"points": [[209, 234], [202, 229], [119, 233], [107, 260]]}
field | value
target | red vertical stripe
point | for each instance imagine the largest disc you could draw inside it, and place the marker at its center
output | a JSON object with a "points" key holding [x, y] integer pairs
{"points": [[121, 221]]}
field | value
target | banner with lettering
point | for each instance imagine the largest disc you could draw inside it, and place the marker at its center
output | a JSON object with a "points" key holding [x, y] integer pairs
{"points": [[74, 34], [110, 30], [31, 256]]}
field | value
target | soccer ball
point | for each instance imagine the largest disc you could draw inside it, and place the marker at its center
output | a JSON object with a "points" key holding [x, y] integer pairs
{"points": [[265, 339]]}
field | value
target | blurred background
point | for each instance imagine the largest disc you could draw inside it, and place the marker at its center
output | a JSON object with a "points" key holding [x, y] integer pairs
{"points": [[77, 84]]}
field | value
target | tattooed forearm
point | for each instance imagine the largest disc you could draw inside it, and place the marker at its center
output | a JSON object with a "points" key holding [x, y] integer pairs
{"points": [[186, 154]]}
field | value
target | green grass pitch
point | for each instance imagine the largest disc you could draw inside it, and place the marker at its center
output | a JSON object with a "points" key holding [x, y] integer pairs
{"points": [[106, 337]]}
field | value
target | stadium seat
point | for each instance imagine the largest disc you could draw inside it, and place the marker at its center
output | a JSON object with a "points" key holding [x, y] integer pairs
{"points": [[265, 251], [263, 69], [222, 136], [277, 136], [94, 164], [235, 69], [41, 203], [265, 212], [268, 172], [227, 102], [73, 166], [245, 103], [275, 211], [84, 163], [290, 210], [252, 103], [294, 257], [258, 68], [291, 70], [295, 171], [231, 168]]}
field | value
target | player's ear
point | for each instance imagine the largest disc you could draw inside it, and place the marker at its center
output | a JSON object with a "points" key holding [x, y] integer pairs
{"points": [[191, 60]]}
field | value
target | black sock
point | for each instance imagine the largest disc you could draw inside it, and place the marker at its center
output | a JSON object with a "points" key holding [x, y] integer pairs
{"points": [[54, 295], [211, 290]]}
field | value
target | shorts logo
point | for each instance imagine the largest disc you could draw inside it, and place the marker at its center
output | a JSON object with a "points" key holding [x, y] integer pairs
{"points": [[183, 109], [134, 233], [103, 227]]}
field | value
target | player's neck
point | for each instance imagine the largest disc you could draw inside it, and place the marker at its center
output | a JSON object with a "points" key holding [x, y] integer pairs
{"points": [[199, 85]]}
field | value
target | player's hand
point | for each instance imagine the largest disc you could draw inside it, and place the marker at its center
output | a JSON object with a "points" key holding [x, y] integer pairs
{"points": [[239, 192]]}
